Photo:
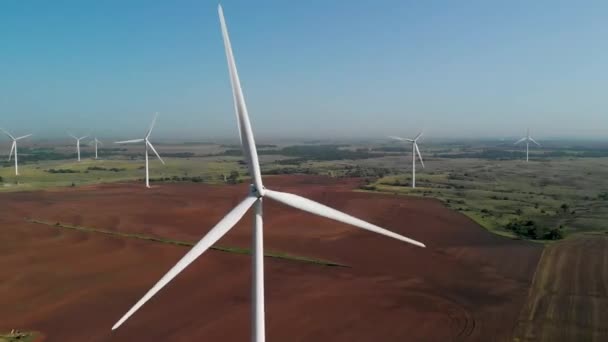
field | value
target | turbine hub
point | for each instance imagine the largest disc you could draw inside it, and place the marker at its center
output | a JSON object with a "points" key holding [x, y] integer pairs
{"points": [[254, 191]]}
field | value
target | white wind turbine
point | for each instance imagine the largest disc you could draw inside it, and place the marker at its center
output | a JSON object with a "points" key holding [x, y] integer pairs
{"points": [[148, 144], [77, 143], [527, 139], [14, 148], [97, 142], [415, 150], [254, 198]]}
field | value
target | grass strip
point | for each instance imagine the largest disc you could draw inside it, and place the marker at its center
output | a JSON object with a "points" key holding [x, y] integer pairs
{"points": [[234, 250], [18, 336]]}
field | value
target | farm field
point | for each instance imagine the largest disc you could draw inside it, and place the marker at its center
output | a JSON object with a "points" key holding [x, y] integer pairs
{"points": [[568, 300], [71, 285], [567, 195]]}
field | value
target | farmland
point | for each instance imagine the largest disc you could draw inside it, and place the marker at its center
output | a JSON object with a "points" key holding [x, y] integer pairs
{"points": [[568, 300], [58, 278], [96, 208], [561, 191]]}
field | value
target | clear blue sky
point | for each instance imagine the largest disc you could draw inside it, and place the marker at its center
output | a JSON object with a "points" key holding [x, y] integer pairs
{"points": [[309, 68]]}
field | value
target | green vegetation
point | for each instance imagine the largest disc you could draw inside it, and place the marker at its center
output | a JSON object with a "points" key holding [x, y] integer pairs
{"points": [[235, 250], [538, 200], [99, 168], [35, 176], [18, 336], [531, 230], [303, 153], [62, 171]]}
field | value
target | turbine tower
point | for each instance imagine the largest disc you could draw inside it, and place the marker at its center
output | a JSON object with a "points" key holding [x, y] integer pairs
{"points": [[415, 151], [254, 198], [148, 144], [527, 139], [77, 143], [14, 148], [97, 142]]}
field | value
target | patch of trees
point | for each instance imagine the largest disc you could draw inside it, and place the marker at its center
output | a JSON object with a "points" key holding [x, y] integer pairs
{"points": [[368, 172], [260, 146], [234, 178], [531, 230], [193, 179], [508, 154], [61, 171], [99, 168], [302, 153], [288, 171], [35, 154], [179, 155], [493, 154], [391, 149]]}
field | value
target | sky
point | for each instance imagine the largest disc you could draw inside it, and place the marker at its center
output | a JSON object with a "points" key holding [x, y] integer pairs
{"points": [[309, 69]]}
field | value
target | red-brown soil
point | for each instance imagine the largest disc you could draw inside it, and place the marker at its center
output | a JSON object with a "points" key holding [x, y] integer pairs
{"points": [[72, 286]]}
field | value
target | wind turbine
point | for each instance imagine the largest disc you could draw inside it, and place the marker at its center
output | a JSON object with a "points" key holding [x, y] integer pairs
{"points": [[14, 148], [148, 144], [415, 150], [77, 143], [254, 198], [97, 142], [527, 139]]}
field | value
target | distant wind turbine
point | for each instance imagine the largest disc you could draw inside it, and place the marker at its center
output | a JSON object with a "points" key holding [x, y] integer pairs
{"points": [[527, 139], [257, 192], [97, 142], [148, 144], [77, 143], [415, 150], [14, 148]]}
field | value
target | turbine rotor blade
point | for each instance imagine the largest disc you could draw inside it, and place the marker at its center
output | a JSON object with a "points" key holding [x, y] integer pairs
{"points": [[247, 139], [23, 137], [534, 141], [418, 136], [129, 141], [418, 152], [319, 209], [73, 136], [152, 125], [396, 138], [220, 229], [12, 149], [154, 150], [82, 137], [520, 140], [7, 133]]}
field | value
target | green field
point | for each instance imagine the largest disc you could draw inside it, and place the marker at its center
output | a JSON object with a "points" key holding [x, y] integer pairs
{"points": [[566, 194], [36, 175]]}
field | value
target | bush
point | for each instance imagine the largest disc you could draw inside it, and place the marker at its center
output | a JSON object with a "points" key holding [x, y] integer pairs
{"points": [[62, 171], [531, 230], [233, 178]]}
